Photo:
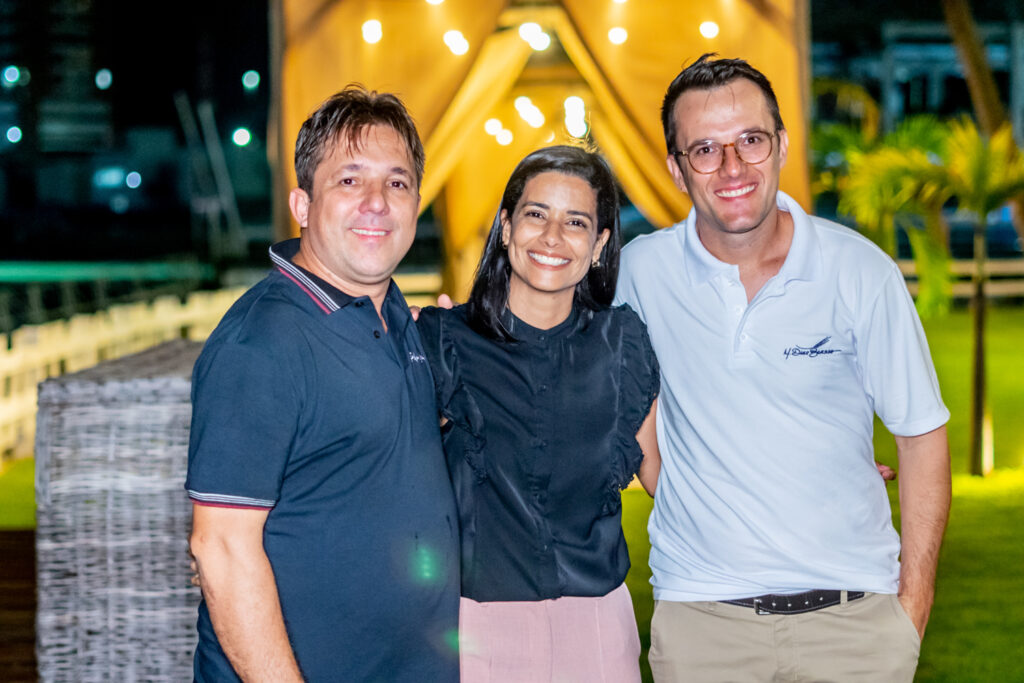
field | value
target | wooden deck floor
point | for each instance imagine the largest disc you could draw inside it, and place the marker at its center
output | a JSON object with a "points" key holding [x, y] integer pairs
{"points": [[17, 606]]}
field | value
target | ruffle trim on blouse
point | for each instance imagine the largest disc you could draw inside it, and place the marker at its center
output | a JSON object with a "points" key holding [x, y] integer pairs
{"points": [[639, 384], [466, 426]]}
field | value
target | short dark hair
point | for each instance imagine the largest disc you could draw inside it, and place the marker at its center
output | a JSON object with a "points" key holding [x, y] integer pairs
{"points": [[705, 74], [595, 291], [346, 114]]}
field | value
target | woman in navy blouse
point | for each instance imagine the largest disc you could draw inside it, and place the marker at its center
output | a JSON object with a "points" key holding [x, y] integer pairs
{"points": [[548, 397]]}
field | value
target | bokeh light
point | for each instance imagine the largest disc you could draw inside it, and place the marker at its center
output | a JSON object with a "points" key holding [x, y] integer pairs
{"points": [[574, 105], [575, 116], [493, 126], [241, 137], [372, 31], [504, 137], [119, 203], [708, 29], [533, 34], [456, 42], [529, 112], [13, 135], [617, 35], [11, 75], [104, 79], [251, 79], [133, 179], [576, 127], [108, 177]]}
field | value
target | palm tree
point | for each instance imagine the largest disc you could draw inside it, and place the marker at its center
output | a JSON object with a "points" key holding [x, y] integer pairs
{"points": [[981, 84], [866, 173], [980, 174]]}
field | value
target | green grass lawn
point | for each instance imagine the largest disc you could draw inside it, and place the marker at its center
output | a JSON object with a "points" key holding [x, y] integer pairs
{"points": [[17, 494], [977, 627]]}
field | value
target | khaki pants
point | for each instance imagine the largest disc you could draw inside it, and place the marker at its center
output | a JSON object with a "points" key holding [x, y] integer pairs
{"points": [[868, 639]]}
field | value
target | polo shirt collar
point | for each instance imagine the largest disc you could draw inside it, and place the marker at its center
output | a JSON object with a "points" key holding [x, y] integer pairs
{"points": [[802, 261], [327, 296]]}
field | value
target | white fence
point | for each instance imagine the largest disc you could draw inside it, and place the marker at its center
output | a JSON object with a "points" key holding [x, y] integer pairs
{"points": [[40, 351], [1005, 277]]}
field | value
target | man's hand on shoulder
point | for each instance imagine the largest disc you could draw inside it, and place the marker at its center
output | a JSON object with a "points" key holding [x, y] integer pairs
{"points": [[443, 301]]}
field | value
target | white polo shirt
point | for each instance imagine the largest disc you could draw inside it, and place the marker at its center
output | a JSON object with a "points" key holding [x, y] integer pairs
{"points": [[768, 482]]}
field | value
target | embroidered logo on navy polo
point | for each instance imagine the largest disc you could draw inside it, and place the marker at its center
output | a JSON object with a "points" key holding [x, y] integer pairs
{"points": [[811, 351], [417, 357]]}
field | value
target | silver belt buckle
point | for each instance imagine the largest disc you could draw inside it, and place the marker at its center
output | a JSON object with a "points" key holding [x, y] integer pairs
{"points": [[758, 609]]}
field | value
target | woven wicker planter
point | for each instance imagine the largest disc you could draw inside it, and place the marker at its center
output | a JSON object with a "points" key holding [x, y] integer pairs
{"points": [[115, 601]]}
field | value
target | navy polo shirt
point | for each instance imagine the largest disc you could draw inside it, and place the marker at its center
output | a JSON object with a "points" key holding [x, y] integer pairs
{"points": [[304, 406]]}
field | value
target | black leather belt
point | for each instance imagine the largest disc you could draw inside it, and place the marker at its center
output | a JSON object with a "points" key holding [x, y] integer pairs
{"points": [[795, 603]]}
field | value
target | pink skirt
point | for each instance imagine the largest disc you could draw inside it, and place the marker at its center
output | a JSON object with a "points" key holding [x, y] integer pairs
{"points": [[568, 640]]}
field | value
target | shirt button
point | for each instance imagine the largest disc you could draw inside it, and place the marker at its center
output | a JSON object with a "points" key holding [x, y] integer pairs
{"points": [[376, 334], [738, 309], [542, 337], [543, 388], [359, 304], [743, 337]]}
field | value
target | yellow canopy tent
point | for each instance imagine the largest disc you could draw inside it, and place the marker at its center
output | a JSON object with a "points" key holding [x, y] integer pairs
{"points": [[324, 44]]}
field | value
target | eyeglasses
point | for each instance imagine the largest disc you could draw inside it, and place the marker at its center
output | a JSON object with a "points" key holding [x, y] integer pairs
{"points": [[708, 156]]}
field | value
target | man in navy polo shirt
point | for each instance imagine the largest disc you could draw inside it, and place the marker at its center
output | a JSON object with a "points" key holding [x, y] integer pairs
{"points": [[324, 525]]}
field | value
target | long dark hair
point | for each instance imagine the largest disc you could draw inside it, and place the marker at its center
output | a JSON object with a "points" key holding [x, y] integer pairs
{"points": [[595, 291]]}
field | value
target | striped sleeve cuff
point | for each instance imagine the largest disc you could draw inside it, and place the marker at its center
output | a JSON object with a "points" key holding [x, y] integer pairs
{"points": [[228, 501]]}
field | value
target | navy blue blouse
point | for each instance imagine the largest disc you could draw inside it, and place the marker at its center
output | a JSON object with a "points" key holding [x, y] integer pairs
{"points": [[540, 439]]}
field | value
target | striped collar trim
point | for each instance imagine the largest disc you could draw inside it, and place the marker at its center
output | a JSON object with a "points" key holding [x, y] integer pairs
{"points": [[281, 259]]}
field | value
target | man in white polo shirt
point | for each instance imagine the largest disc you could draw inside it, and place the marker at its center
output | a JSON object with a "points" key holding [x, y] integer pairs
{"points": [[780, 335]]}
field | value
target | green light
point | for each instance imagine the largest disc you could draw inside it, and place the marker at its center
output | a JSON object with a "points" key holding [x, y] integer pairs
{"points": [[451, 639], [104, 79], [241, 137], [425, 566], [251, 79]]}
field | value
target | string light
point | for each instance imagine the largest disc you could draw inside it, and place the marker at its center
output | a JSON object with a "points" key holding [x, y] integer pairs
{"points": [[372, 31], [456, 42], [529, 112], [533, 34], [575, 116], [708, 29]]}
